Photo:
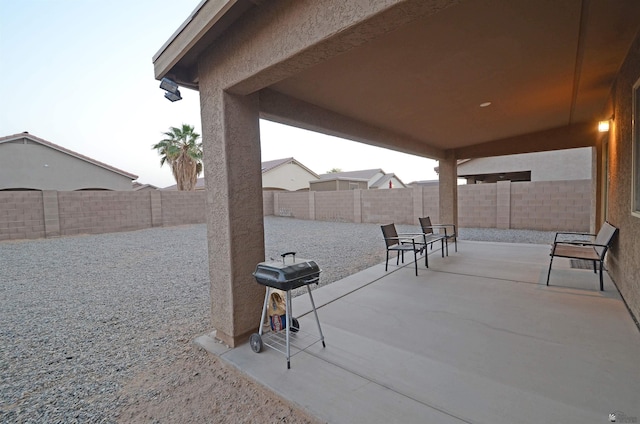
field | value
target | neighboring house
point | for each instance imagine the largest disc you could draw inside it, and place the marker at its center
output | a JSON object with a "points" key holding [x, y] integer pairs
{"points": [[356, 180], [28, 162], [424, 183], [142, 187], [199, 185], [280, 174], [559, 165], [286, 174]]}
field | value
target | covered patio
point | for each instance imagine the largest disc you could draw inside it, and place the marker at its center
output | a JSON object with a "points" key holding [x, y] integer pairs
{"points": [[476, 338], [444, 79]]}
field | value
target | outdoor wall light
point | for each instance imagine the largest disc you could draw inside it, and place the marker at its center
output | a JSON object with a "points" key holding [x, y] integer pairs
{"points": [[171, 88], [603, 126]]}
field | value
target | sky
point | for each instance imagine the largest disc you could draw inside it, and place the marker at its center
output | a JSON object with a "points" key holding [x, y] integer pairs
{"points": [[79, 73]]}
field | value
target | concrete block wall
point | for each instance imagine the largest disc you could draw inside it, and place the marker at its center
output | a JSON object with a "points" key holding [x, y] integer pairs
{"points": [[95, 212], [430, 204], [183, 207], [267, 203], [543, 205], [293, 205], [21, 215], [551, 205], [335, 206], [387, 206], [477, 205], [42, 214]]}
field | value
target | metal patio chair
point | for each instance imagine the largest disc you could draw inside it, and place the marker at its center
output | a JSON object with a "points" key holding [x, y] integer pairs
{"points": [[401, 243]]}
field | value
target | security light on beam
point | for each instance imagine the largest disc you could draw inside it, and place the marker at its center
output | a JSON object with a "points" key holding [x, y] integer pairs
{"points": [[171, 88]]}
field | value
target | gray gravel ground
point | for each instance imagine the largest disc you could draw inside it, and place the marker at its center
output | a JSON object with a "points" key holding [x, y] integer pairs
{"points": [[81, 315]]}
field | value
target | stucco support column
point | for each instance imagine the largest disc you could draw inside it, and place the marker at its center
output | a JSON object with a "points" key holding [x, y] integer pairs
{"points": [[448, 189], [231, 137]]}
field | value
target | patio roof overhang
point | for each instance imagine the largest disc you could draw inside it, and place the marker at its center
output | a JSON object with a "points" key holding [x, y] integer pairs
{"points": [[415, 77]]}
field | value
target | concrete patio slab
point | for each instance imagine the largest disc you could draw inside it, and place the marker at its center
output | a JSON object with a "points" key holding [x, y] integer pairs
{"points": [[476, 338]]}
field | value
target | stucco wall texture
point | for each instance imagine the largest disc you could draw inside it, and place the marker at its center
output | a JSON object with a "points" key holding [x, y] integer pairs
{"points": [[624, 260]]}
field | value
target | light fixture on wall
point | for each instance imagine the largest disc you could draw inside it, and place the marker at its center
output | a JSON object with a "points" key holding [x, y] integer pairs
{"points": [[603, 126], [171, 88]]}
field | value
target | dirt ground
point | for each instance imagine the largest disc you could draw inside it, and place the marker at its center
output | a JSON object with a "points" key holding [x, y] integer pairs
{"points": [[198, 387]]}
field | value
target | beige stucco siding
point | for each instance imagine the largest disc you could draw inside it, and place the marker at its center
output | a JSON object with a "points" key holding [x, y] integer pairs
{"points": [[559, 165], [288, 177], [624, 259], [34, 166]]}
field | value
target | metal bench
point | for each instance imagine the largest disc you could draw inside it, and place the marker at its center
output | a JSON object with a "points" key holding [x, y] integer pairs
{"points": [[594, 251], [445, 232]]}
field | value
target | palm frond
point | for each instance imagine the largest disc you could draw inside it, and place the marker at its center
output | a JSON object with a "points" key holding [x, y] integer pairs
{"points": [[184, 153]]}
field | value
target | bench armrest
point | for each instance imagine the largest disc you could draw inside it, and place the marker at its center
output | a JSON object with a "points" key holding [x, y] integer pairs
{"points": [[572, 233], [444, 226]]}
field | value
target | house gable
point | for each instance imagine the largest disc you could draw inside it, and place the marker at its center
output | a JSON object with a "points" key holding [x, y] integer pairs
{"points": [[31, 163], [286, 174]]}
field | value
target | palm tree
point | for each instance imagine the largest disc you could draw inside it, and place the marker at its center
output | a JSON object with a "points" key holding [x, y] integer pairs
{"points": [[182, 150]]}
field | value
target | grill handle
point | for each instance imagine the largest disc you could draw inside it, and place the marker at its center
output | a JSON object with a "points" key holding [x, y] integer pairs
{"points": [[287, 254]]}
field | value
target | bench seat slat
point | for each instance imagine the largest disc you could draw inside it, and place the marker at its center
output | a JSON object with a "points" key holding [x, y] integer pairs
{"points": [[577, 252]]}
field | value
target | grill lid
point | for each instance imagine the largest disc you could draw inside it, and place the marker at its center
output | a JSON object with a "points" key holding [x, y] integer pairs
{"points": [[287, 273]]}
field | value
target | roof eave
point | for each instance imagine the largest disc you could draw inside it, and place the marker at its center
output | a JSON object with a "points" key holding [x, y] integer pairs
{"points": [[177, 58]]}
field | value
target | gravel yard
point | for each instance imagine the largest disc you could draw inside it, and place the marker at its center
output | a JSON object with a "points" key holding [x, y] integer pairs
{"points": [[98, 328]]}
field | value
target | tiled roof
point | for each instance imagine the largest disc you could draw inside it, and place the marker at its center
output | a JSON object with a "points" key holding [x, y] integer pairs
{"points": [[366, 174], [270, 164]]}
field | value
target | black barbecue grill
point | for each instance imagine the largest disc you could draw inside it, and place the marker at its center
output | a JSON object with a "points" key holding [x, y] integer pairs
{"points": [[286, 275]]}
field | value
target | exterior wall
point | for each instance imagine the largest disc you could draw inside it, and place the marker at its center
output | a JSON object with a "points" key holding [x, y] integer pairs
{"points": [[348, 185], [103, 212], [386, 206], [267, 203], [375, 178], [182, 207], [287, 177], [547, 206], [571, 164], [430, 203], [337, 184], [40, 214], [331, 185], [561, 205], [477, 205], [335, 206], [38, 167], [623, 260], [21, 215], [294, 205], [396, 183]]}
